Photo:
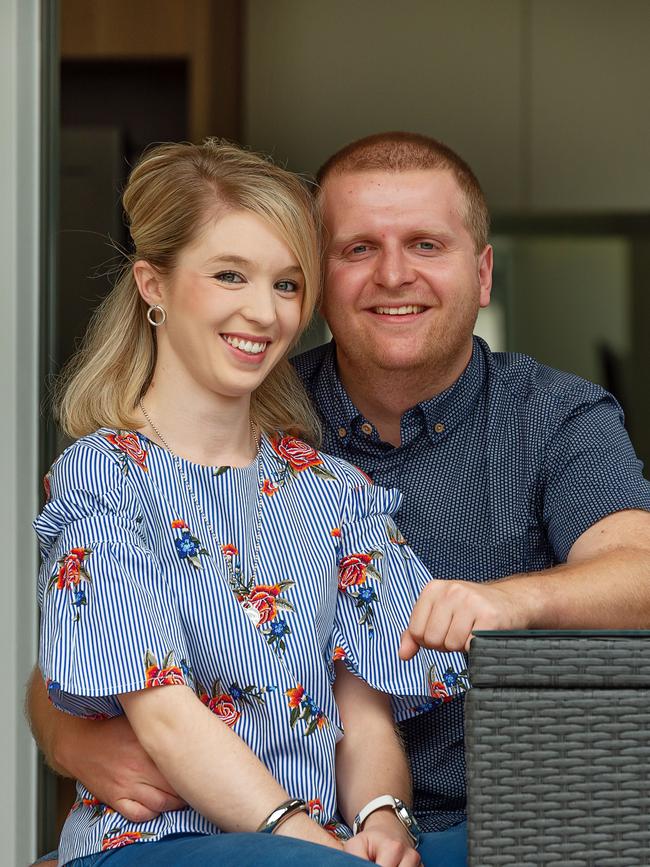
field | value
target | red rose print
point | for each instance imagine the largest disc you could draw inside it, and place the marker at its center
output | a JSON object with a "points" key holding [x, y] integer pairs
{"points": [[262, 597], [229, 550], [167, 675], [339, 654], [69, 573], [164, 676], [315, 809], [295, 695], [438, 690], [298, 454], [119, 840], [352, 570], [128, 442], [269, 488], [178, 524], [224, 707], [336, 532]]}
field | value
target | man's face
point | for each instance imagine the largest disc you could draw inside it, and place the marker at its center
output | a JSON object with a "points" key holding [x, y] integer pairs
{"points": [[403, 282]]}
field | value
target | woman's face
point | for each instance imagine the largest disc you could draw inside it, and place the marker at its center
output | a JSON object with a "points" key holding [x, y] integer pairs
{"points": [[233, 307]]}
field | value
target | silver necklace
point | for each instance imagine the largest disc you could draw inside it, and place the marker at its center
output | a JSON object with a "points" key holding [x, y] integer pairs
{"points": [[250, 610]]}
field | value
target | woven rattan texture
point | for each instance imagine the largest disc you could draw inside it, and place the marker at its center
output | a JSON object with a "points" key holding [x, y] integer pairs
{"points": [[565, 660], [559, 771]]}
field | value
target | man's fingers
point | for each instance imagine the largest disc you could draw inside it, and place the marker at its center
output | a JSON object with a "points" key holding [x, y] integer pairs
{"points": [[158, 800], [408, 646], [134, 811], [460, 630]]}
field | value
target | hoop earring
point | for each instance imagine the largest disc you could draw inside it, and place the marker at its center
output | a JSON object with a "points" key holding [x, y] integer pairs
{"points": [[152, 313]]}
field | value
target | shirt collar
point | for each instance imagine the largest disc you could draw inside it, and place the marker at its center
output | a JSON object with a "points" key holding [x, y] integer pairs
{"points": [[438, 415], [331, 398], [442, 413]]}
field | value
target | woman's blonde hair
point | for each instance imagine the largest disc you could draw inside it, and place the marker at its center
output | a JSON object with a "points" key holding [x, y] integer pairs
{"points": [[172, 193]]}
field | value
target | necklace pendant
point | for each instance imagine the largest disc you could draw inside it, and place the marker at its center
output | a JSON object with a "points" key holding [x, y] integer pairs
{"points": [[251, 612]]}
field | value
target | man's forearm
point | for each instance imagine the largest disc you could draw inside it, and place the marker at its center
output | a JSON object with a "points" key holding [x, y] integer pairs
{"points": [[49, 726], [605, 584], [608, 591]]}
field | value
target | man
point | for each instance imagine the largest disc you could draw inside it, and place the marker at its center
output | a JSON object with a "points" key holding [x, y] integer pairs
{"points": [[509, 470]]}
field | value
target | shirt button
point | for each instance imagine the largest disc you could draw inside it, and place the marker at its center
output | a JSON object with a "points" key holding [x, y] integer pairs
{"points": [[439, 428], [342, 432], [366, 428]]}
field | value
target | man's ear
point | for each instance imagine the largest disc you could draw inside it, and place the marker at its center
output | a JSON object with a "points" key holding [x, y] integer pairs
{"points": [[148, 281], [485, 262]]}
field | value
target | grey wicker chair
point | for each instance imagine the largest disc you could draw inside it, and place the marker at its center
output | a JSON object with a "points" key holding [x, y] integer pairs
{"points": [[558, 749]]}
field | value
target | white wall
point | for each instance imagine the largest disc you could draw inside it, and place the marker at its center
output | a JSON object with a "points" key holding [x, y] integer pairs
{"points": [[320, 73], [19, 158], [588, 280], [546, 99]]}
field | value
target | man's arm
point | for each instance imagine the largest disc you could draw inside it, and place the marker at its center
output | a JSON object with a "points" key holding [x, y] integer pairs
{"points": [[605, 584], [370, 761], [104, 755]]}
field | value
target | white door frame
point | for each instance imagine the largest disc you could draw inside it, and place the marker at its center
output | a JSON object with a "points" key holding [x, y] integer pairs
{"points": [[19, 418]]}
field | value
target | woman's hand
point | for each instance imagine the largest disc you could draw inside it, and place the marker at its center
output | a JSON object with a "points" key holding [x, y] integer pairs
{"points": [[385, 847]]}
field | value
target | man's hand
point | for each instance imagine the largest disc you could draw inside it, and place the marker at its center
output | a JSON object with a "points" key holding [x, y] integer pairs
{"points": [[447, 613], [604, 584], [104, 755], [115, 768], [384, 848]]}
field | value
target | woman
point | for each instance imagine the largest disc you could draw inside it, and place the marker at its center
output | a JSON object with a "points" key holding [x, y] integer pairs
{"points": [[187, 543]]}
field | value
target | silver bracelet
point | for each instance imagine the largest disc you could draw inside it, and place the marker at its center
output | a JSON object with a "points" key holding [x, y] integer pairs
{"points": [[281, 814]]}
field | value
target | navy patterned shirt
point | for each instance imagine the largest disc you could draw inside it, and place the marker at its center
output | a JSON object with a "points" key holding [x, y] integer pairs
{"points": [[500, 474]]}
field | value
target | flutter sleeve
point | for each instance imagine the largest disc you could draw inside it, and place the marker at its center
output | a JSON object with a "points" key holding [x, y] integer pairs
{"points": [[109, 622], [379, 581]]}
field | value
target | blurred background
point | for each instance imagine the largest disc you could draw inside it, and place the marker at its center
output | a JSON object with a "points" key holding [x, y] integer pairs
{"points": [[546, 99]]}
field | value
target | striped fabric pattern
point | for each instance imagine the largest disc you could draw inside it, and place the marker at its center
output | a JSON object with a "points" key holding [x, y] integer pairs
{"points": [[134, 592]]}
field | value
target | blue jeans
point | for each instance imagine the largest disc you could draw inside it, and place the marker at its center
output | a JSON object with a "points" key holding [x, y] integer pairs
{"points": [[437, 849]]}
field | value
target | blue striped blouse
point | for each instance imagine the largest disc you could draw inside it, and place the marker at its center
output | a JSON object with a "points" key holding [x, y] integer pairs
{"points": [[135, 593]]}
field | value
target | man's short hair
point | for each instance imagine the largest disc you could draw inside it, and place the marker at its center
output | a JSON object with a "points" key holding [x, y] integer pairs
{"points": [[408, 151]]}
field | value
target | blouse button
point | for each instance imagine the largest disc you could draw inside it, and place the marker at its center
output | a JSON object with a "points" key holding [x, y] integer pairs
{"points": [[439, 428], [366, 428], [342, 432]]}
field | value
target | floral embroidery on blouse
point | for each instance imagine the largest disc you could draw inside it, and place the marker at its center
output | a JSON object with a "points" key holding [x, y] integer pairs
{"points": [[98, 809], [269, 488], [299, 457], [70, 571], [444, 688], [167, 674], [266, 599], [339, 654], [222, 703], [128, 446], [115, 839], [336, 532], [395, 536], [304, 709], [354, 571], [188, 547]]}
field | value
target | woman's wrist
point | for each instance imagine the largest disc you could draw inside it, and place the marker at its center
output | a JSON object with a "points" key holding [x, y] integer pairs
{"points": [[384, 819], [302, 827]]}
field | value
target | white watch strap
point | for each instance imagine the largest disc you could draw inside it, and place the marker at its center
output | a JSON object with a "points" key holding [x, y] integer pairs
{"points": [[401, 811], [371, 807]]}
